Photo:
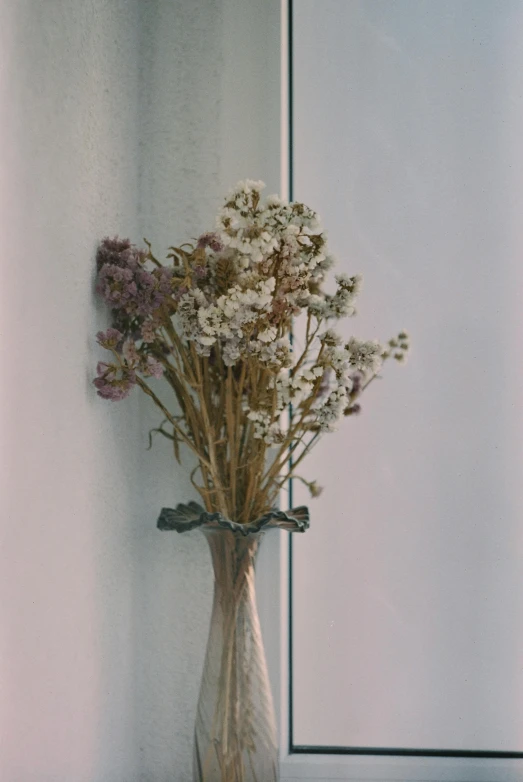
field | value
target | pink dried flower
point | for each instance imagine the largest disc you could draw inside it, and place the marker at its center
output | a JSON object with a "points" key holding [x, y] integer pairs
{"points": [[153, 368], [211, 240], [114, 383], [182, 290], [165, 277], [145, 290], [200, 272], [147, 331], [110, 338], [134, 289], [118, 252], [152, 289], [125, 284], [116, 286], [130, 352]]}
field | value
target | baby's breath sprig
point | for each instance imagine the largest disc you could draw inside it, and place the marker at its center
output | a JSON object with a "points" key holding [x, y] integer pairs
{"points": [[397, 348]]}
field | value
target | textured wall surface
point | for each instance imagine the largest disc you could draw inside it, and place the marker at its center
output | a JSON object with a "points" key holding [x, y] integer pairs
{"points": [[127, 117]]}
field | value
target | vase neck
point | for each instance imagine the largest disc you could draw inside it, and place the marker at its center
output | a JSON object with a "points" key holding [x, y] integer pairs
{"points": [[233, 556]]}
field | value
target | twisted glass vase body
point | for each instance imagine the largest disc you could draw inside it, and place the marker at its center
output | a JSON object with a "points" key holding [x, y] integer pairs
{"points": [[235, 732]]}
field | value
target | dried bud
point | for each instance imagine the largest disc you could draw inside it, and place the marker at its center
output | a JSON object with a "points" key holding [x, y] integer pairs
{"points": [[357, 381], [315, 489]]}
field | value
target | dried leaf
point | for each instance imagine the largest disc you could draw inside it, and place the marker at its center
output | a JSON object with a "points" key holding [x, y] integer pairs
{"points": [[226, 274]]}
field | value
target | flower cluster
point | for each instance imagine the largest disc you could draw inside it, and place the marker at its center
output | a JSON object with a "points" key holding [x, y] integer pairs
{"points": [[113, 382], [231, 319], [341, 305], [215, 321], [132, 288], [329, 386]]}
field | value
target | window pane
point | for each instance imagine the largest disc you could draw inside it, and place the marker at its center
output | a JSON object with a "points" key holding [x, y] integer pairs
{"points": [[408, 588]]}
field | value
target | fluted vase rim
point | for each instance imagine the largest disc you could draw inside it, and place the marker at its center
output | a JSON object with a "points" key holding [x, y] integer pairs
{"points": [[186, 517]]}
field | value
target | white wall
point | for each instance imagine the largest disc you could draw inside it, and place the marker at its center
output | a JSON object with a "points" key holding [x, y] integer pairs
{"points": [[129, 118]]}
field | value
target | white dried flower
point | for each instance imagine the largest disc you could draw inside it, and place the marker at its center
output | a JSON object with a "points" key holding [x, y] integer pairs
{"points": [[268, 335], [273, 200], [277, 355], [317, 306], [330, 337], [364, 356], [330, 413], [264, 428], [341, 305]]}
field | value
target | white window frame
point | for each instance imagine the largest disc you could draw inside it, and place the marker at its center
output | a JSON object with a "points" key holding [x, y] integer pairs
{"points": [[273, 577]]}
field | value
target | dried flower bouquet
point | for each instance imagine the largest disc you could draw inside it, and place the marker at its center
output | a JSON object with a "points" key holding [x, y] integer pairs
{"points": [[215, 323]]}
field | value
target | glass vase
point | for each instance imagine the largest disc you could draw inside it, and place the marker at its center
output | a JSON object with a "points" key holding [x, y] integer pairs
{"points": [[235, 731]]}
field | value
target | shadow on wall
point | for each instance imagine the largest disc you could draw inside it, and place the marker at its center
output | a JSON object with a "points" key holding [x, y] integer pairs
{"points": [[168, 584]]}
